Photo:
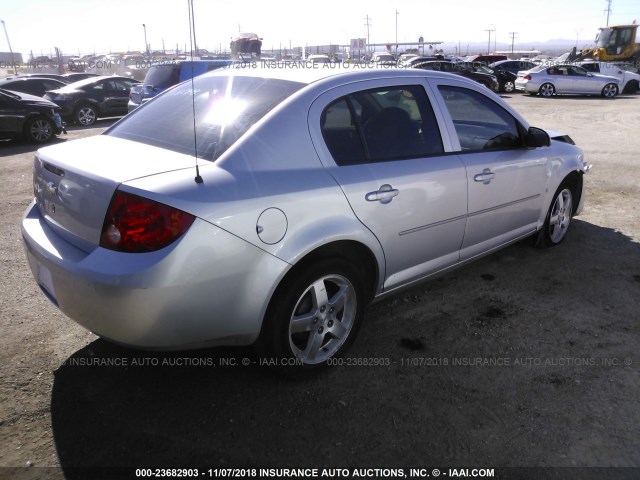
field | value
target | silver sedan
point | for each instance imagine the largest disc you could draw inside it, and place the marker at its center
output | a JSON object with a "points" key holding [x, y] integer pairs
{"points": [[293, 199], [566, 79]]}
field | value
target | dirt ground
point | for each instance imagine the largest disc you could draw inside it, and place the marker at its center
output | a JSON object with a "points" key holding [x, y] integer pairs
{"points": [[526, 358]]}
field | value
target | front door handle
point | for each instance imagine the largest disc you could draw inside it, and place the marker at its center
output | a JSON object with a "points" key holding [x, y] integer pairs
{"points": [[383, 195], [485, 177]]}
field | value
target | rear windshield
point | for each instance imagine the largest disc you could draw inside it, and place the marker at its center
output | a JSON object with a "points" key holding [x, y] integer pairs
{"points": [[163, 76], [225, 108]]}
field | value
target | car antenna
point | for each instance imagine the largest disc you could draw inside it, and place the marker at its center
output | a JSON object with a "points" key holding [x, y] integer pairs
{"points": [[192, 36]]}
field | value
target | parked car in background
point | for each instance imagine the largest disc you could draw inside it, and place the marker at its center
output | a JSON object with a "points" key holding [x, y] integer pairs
{"points": [[55, 76], [32, 85], [163, 75], [26, 116], [384, 59], [463, 69], [318, 58], [83, 102], [506, 79], [566, 79], [405, 57], [316, 192], [513, 66], [629, 79], [76, 76], [486, 58], [425, 58]]}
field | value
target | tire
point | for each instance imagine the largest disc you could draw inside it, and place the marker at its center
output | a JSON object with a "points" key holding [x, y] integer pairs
{"points": [[547, 90], [558, 220], [610, 90], [39, 130], [86, 115], [314, 315], [508, 87]]}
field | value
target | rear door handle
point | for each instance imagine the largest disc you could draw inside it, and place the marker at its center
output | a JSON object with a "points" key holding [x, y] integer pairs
{"points": [[485, 177], [383, 195]]}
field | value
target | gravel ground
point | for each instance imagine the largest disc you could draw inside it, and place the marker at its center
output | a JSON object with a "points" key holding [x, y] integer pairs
{"points": [[526, 358]]}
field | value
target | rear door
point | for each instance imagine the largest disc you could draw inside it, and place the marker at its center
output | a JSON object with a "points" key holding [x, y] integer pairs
{"points": [[505, 180], [381, 141]]}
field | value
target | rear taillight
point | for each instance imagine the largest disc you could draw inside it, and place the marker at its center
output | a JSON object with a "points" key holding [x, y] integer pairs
{"points": [[527, 77], [135, 224]]}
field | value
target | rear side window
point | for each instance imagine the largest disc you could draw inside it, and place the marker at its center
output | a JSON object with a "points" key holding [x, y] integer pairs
{"points": [[225, 108], [481, 124], [380, 125]]}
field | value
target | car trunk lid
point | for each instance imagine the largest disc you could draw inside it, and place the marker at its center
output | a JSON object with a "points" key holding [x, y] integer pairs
{"points": [[74, 182]]}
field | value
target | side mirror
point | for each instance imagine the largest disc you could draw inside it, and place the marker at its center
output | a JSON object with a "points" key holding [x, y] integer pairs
{"points": [[536, 137], [589, 74]]}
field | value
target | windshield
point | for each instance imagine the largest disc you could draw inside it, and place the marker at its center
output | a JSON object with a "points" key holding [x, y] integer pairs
{"points": [[225, 108], [163, 76]]}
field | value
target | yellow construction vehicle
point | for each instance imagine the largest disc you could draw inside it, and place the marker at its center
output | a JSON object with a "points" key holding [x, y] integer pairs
{"points": [[619, 43]]}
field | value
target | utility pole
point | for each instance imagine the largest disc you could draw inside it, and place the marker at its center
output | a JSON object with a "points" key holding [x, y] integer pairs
{"points": [[513, 36], [192, 28], [608, 10], [13, 62], [489, 42], [146, 45], [397, 13], [368, 24]]}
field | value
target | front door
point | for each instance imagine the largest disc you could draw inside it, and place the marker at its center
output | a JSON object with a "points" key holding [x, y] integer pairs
{"points": [[506, 180]]}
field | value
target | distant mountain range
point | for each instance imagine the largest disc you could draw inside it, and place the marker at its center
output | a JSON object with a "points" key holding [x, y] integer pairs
{"points": [[547, 47]]}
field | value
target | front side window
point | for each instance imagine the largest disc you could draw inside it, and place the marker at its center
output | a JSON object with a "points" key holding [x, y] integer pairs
{"points": [[481, 124], [381, 124]]}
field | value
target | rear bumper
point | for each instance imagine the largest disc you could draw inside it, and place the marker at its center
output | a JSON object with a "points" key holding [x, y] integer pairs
{"points": [[208, 288]]}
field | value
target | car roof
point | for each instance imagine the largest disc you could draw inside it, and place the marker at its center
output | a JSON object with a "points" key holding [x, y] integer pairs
{"points": [[29, 79], [90, 80], [333, 74]]}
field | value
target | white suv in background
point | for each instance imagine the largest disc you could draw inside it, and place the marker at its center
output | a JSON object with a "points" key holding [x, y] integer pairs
{"points": [[629, 81]]}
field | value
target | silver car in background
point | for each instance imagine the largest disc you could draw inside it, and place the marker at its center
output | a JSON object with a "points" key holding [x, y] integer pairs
{"points": [[566, 79], [312, 192]]}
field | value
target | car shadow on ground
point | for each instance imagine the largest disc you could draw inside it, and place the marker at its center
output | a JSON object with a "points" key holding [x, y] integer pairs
{"points": [[18, 146], [399, 399]]}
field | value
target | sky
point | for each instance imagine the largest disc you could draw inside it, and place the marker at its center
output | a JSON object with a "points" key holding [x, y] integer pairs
{"points": [[104, 26]]}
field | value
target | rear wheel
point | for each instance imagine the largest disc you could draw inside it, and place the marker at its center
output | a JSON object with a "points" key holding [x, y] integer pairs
{"points": [[39, 130], [86, 115], [610, 90], [314, 315], [547, 90], [558, 218], [508, 86]]}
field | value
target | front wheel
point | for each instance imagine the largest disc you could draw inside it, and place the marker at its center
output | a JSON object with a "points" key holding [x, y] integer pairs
{"points": [[547, 90], [314, 314], [610, 90], [39, 130], [558, 218], [508, 86]]}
